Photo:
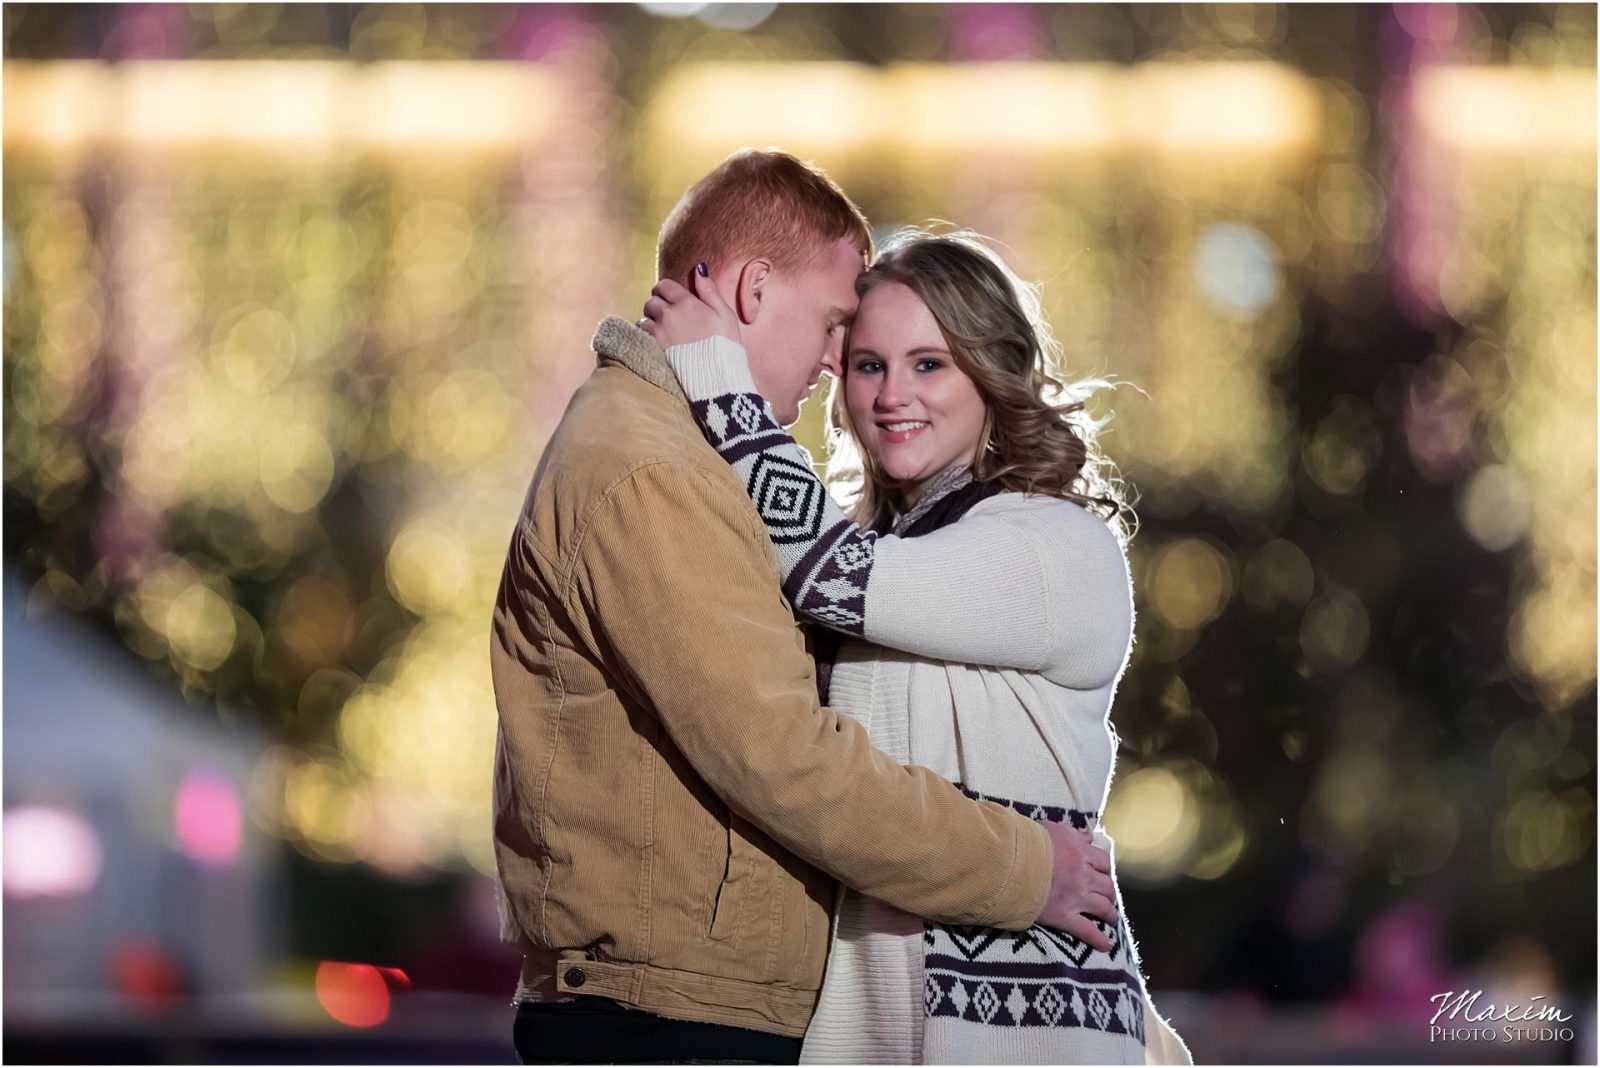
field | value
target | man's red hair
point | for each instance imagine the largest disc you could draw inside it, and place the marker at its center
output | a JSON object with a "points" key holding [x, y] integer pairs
{"points": [[758, 204]]}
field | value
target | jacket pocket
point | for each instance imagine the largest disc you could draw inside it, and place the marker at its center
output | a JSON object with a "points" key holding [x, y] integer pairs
{"points": [[733, 891]]}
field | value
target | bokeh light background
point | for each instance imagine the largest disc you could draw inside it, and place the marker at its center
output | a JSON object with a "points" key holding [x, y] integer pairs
{"points": [[294, 294]]}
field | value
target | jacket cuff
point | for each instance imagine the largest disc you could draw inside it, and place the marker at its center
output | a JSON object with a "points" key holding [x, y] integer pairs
{"points": [[1024, 893], [711, 368]]}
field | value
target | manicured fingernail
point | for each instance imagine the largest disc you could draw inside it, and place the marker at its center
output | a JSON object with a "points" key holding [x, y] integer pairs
{"points": [[701, 270]]}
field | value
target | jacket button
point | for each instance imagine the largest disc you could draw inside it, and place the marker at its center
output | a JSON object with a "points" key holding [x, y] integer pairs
{"points": [[575, 977]]}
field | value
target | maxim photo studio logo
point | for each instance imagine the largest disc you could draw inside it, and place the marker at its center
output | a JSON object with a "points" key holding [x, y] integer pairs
{"points": [[1527, 1021]]}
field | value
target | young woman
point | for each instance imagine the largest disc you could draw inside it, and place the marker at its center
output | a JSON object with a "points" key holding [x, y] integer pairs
{"points": [[984, 603]]}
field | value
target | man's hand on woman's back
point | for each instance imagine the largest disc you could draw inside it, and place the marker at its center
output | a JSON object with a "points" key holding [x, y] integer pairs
{"points": [[1080, 882]]}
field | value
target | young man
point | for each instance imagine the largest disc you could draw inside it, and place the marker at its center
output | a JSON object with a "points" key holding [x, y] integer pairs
{"points": [[671, 802]]}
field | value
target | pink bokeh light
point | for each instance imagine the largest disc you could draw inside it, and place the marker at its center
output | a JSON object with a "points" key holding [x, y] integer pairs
{"points": [[208, 818]]}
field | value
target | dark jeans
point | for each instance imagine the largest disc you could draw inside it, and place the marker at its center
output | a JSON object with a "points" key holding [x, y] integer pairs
{"points": [[592, 1030]]}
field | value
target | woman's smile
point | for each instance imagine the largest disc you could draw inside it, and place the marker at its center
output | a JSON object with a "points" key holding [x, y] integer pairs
{"points": [[898, 433]]}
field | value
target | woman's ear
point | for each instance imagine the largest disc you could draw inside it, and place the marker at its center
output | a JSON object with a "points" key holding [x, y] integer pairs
{"points": [[754, 278]]}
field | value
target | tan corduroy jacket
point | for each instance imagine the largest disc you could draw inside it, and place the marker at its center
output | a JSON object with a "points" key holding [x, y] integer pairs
{"points": [[666, 785]]}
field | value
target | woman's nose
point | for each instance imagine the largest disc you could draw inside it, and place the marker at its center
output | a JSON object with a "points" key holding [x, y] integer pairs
{"points": [[892, 392]]}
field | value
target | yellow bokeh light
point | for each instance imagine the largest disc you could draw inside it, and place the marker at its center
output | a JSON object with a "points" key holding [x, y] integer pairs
{"points": [[1221, 858], [300, 105], [1541, 830], [1190, 583], [199, 625], [1153, 820], [1506, 109], [1495, 507], [258, 352], [1347, 801], [58, 106], [1342, 448], [1278, 575], [423, 734], [1552, 638], [427, 569], [1334, 629], [322, 807], [468, 414], [1188, 109], [297, 467], [433, 239]]}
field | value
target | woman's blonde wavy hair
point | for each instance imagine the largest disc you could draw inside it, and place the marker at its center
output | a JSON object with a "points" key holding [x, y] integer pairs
{"points": [[1037, 436]]}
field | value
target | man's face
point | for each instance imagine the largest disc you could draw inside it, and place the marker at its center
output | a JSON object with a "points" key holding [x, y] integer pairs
{"points": [[800, 330]]}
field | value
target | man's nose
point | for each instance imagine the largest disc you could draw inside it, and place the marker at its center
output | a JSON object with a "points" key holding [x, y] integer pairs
{"points": [[833, 356]]}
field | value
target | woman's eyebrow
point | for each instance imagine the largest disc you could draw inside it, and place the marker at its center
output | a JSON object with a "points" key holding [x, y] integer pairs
{"points": [[920, 350]]}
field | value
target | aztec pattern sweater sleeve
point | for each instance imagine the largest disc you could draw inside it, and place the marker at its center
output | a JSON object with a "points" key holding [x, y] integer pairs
{"points": [[1037, 585]]}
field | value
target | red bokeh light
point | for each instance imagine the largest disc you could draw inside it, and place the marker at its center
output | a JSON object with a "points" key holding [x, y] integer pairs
{"points": [[146, 975], [355, 994]]}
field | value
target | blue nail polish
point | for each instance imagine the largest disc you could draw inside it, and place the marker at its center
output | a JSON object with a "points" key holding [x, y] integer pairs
{"points": [[701, 270]]}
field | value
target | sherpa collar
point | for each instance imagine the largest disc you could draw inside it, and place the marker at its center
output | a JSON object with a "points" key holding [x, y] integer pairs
{"points": [[619, 342]]}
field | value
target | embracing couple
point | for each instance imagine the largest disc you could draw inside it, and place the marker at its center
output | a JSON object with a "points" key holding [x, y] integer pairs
{"points": [[721, 831]]}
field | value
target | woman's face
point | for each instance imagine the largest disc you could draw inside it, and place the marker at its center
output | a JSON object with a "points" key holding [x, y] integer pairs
{"points": [[915, 411]]}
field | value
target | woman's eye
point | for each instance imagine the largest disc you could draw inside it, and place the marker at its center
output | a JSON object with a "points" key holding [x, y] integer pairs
{"points": [[929, 365], [869, 367]]}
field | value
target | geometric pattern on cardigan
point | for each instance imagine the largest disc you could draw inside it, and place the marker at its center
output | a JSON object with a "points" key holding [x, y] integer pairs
{"points": [[1043, 813], [1041, 977], [789, 500], [826, 564]]}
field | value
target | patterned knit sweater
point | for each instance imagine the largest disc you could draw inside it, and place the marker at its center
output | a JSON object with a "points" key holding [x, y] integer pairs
{"points": [[988, 650]]}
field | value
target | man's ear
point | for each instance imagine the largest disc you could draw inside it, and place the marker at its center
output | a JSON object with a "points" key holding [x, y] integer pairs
{"points": [[754, 277]]}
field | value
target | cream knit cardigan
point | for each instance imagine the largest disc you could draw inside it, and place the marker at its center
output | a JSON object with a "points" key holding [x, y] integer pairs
{"points": [[993, 650]]}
